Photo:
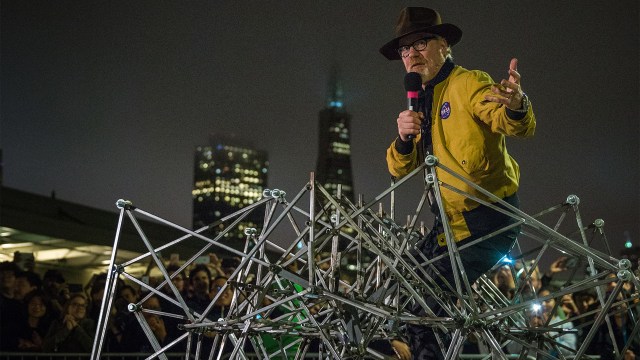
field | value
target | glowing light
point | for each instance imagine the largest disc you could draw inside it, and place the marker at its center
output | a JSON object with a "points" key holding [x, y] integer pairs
{"points": [[536, 307], [627, 242], [506, 260], [16, 245]]}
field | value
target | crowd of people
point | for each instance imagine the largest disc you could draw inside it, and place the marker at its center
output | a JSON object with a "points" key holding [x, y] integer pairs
{"points": [[573, 313], [41, 314], [44, 313]]}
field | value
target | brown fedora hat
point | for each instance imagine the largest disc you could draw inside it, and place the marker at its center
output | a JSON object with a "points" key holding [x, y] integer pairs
{"points": [[419, 19]]}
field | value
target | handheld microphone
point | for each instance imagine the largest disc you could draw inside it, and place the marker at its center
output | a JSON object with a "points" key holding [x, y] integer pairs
{"points": [[412, 84]]}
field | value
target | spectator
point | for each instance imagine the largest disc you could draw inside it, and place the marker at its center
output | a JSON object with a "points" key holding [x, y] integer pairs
{"points": [[129, 294], [73, 332], [229, 265], [224, 301], [119, 319], [622, 326], [216, 265], [178, 281], [585, 300], [95, 289], [503, 279], [551, 315], [32, 330], [172, 323], [24, 261], [531, 286], [134, 338], [56, 289], [559, 265], [569, 307], [8, 272], [26, 282], [10, 308], [200, 279]]}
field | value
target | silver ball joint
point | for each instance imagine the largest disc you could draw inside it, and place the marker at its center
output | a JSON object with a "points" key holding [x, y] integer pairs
{"points": [[599, 223], [431, 160], [430, 179], [123, 204], [278, 194], [266, 193], [624, 264], [573, 200], [624, 275], [133, 307], [250, 231]]}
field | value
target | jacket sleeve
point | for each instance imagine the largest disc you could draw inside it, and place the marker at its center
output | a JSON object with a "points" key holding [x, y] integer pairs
{"points": [[494, 114], [399, 164]]}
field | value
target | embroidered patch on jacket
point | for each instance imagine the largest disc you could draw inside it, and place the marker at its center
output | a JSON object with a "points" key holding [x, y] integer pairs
{"points": [[445, 110]]}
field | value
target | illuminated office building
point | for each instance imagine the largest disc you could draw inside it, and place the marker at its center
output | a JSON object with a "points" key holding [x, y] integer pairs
{"points": [[228, 177], [333, 166]]}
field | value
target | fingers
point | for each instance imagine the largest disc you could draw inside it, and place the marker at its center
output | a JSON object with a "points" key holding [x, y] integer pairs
{"points": [[504, 89], [510, 87], [513, 65], [508, 92], [409, 124], [514, 75], [502, 93], [497, 99]]}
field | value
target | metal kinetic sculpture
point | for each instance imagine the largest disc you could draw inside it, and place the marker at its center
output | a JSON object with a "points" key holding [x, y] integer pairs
{"points": [[290, 302]]}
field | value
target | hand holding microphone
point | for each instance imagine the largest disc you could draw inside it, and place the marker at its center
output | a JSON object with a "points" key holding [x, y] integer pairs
{"points": [[409, 121]]}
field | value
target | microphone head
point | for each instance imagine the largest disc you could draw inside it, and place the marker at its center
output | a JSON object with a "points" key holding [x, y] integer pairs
{"points": [[412, 81]]}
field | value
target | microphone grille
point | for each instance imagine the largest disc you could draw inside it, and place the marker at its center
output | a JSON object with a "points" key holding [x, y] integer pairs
{"points": [[412, 81]]}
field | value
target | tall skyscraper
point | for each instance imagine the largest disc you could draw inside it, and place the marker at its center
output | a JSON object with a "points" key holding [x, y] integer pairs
{"points": [[333, 166], [228, 176]]}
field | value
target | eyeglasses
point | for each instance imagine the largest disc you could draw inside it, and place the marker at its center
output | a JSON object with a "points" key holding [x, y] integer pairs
{"points": [[417, 45], [78, 305]]}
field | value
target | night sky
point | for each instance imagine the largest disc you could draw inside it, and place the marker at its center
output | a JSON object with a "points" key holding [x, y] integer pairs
{"points": [[107, 100]]}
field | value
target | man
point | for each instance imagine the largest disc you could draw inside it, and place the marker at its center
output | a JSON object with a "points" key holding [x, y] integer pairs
{"points": [[26, 282], [462, 119], [200, 278], [10, 308]]}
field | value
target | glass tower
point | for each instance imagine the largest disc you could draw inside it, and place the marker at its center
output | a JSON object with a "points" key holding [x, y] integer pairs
{"points": [[333, 166], [228, 176]]}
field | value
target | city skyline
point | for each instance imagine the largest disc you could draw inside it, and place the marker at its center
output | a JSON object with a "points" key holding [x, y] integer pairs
{"points": [[108, 101]]}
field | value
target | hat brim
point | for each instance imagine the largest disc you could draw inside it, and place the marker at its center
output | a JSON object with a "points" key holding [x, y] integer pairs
{"points": [[450, 32]]}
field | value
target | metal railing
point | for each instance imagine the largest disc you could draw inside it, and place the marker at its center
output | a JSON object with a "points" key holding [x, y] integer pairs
{"points": [[180, 356]]}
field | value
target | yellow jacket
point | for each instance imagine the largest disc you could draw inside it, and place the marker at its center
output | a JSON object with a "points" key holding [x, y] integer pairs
{"points": [[468, 136]]}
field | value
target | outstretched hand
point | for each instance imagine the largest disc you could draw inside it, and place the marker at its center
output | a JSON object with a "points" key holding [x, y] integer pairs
{"points": [[508, 92]]}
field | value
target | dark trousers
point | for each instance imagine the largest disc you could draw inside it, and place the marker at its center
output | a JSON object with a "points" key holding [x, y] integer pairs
{"points": [[476, 259]]}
